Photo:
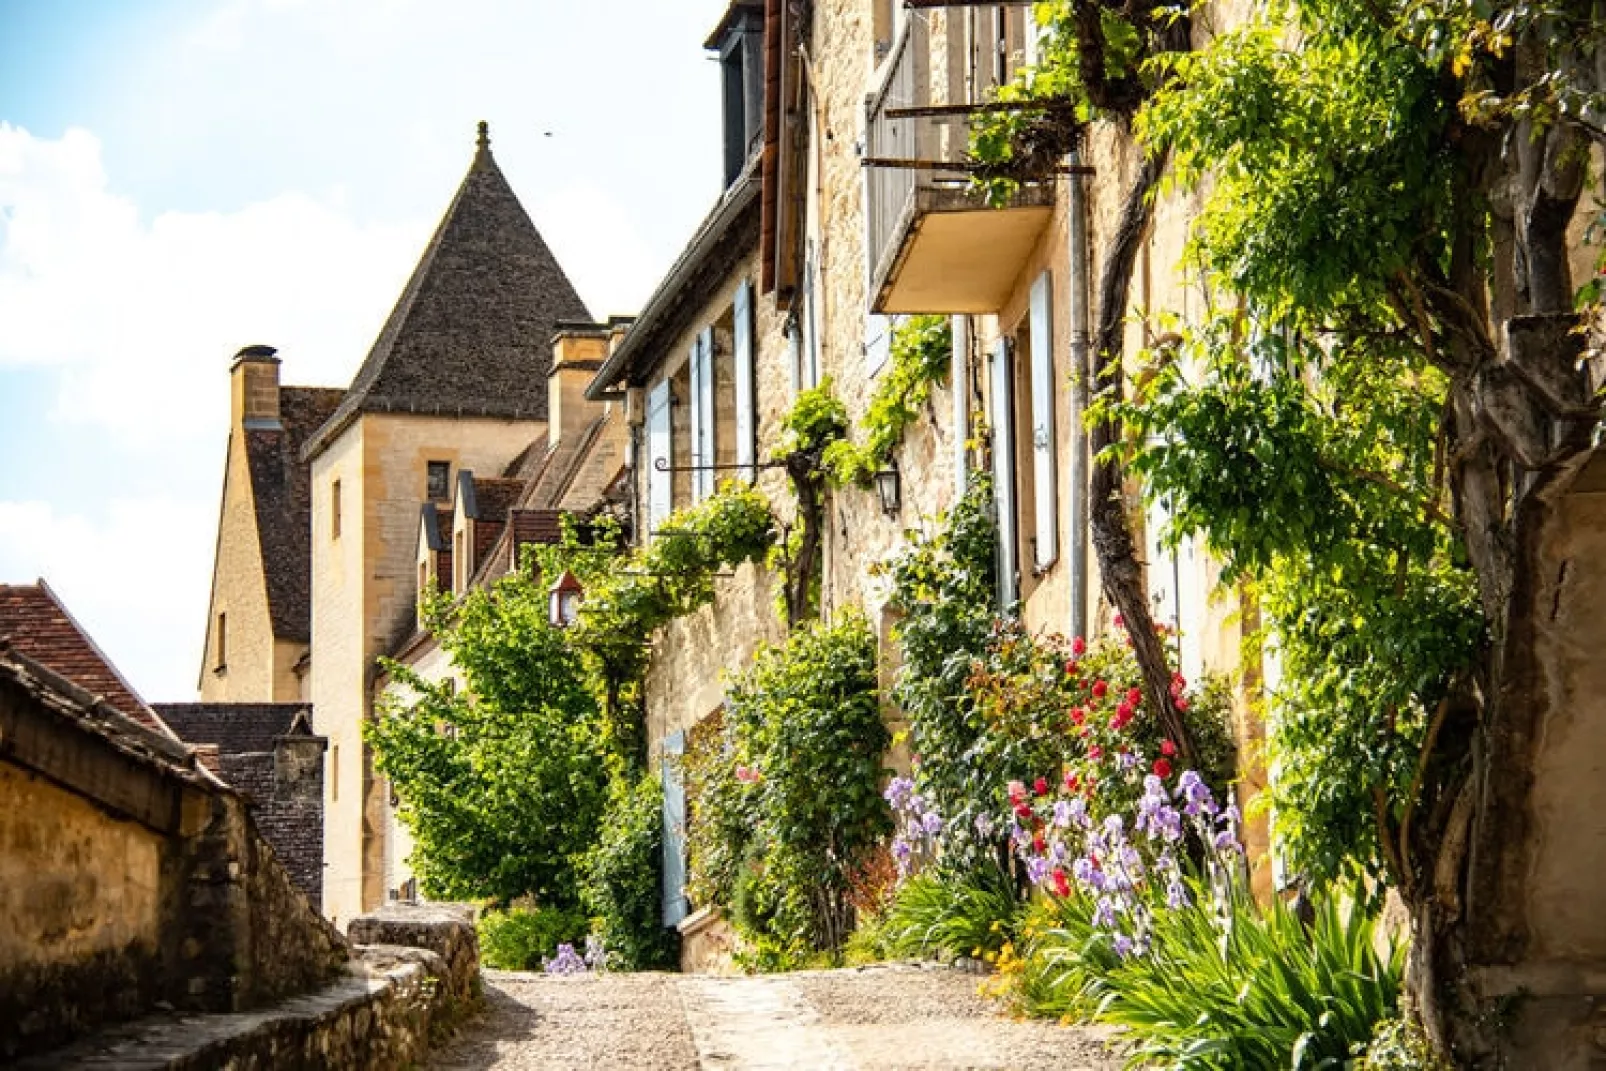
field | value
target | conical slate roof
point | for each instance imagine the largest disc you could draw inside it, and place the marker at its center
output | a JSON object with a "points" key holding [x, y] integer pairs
{"points": [[472, 332]]}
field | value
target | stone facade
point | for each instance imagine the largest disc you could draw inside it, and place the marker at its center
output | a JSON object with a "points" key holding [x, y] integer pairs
{"points": [[132, 876], [365, 579]]}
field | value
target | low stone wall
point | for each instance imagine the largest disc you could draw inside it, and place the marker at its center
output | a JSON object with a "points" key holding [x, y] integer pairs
{"points": [[392, 1003]]}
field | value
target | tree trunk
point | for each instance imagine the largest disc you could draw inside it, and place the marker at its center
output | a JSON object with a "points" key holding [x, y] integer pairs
{"points": [[1119, 569]]}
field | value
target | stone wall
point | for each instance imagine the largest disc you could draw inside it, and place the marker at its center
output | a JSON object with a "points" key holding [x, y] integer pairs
{"points": [[130, 876], [417, 980]]}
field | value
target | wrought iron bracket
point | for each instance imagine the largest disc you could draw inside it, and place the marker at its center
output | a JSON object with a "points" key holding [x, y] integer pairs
{"points": [[662, 464]]}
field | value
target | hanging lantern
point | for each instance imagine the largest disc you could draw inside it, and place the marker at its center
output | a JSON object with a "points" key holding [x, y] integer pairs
{"points": [[563, 600]]}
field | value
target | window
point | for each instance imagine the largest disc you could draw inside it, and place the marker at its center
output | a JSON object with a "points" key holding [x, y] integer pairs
{"points": [[741, 61], [440, 480], [459, 561], [660, 448], [221, 642], [334, 774], [334, 510], [1025, 465]]}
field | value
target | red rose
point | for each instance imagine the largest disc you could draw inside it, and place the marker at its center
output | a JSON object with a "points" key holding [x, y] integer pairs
{"points": [[1071, 781], [1162, 768], [1182, 706], [1062, 887], [1072, 667], [1022, 811], [1100, 689], [1078, 715], [1095, 753], [1134, 696], [1040, 786], [1120, 621], [1038, 844], [1167, 748], [1078, 646]]}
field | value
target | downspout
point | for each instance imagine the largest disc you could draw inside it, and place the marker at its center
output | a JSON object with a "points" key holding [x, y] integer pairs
{"points": [[1079, 279], [959, 380]]}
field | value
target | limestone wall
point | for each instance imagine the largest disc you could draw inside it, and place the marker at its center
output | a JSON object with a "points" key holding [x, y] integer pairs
{"points": [[364, 604]]}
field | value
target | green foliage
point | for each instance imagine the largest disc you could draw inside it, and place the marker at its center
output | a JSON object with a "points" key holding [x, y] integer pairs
{"points": [[1313, 472], [621, 877], [816, 420], [922, 349], [501, 784], [1255, 990], [952, 912], [628, 599], [786, 807], [518, 939]]}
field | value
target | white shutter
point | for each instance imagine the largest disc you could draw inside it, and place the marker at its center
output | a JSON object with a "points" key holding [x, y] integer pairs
{"points": [[1162, 565], [746, 374], [702, 415], [877, 343], [660, 485], [674, 830], [1045, 474], [1003, 421]]}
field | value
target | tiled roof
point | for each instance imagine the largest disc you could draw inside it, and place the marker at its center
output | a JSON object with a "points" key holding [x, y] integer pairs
{"points": [[288, 812], [493, 497], [472, 331], [281, 490], [39, 627], [236, 728]]}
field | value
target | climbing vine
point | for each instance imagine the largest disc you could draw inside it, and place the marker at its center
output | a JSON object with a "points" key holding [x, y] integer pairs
{"points": [[921, 351]]}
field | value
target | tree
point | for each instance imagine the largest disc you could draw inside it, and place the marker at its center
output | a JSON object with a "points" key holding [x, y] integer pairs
{"points": [[1379, 430], [502, 783]]}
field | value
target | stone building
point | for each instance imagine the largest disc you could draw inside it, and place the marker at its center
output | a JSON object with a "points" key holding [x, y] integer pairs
{"points": [[463, 436]]}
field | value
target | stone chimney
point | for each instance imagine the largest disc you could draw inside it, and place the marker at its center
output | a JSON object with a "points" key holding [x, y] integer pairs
{"points": [[254, 389], [578, 351]]}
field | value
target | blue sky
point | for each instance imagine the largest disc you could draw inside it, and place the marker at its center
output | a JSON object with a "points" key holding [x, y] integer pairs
{"points": [[181, 178]]}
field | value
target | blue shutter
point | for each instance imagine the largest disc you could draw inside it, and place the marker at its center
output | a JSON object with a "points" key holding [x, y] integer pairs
{"points": [[660, 446], [674, 780], [1045, 473], [746, 376], [1003, 421]]}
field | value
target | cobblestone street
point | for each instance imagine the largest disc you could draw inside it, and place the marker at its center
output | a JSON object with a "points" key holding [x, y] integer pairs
{"points": [[871, 1018]]}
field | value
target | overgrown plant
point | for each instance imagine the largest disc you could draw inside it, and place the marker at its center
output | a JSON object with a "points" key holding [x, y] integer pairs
{"points": [[502, 782], [621, 876], [787, 807]]}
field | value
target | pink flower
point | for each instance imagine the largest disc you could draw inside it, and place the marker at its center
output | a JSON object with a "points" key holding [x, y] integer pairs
{"points": [[1071, 781], [1079, 647], [1182, 706], [1095, 753], [1078, 715], [1120, 621], [1017, 791], [1134, 696], [1167, 748]]}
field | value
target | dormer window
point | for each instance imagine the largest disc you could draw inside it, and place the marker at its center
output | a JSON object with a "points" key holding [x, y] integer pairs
{"points": [[740, 44]]}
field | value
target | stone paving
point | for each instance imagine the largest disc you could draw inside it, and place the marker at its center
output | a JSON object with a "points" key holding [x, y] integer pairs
{"points": [[865, 1019]]}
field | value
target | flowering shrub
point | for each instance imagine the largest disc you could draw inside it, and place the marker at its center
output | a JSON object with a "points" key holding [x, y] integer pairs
{"points": [[568, 961], [1128, 865], [916, 823], [522, 938]]}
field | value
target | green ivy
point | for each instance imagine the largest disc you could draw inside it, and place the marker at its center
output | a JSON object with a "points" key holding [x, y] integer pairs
{"points": [[922, 350], [786, 791]]}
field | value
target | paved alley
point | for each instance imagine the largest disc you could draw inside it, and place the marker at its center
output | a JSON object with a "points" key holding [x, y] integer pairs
{"points": [[879, 1017]]}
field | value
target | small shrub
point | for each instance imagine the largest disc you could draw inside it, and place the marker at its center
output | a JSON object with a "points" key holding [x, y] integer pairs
{"points": [[521, 938], [955, 913], [621, 877]]}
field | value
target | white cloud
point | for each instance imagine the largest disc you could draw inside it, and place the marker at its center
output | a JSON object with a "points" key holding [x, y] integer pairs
{"points": [[142, 317], [136, 578]]}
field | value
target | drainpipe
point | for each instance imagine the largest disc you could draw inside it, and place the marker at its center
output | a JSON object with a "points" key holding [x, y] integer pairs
{"points": [[959, 379], [1079, 271]]}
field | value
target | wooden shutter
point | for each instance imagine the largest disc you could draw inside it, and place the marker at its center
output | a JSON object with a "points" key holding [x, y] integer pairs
{"points": [[746, 376], [1003, 421], [660, 446], [1045, 474], [674, 840]]}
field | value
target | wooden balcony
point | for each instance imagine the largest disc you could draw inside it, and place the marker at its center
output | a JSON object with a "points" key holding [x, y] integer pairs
{"points": [[934, 244]]}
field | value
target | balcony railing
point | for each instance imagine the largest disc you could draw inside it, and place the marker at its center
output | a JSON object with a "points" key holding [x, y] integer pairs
{"points": [[917, 164]]}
